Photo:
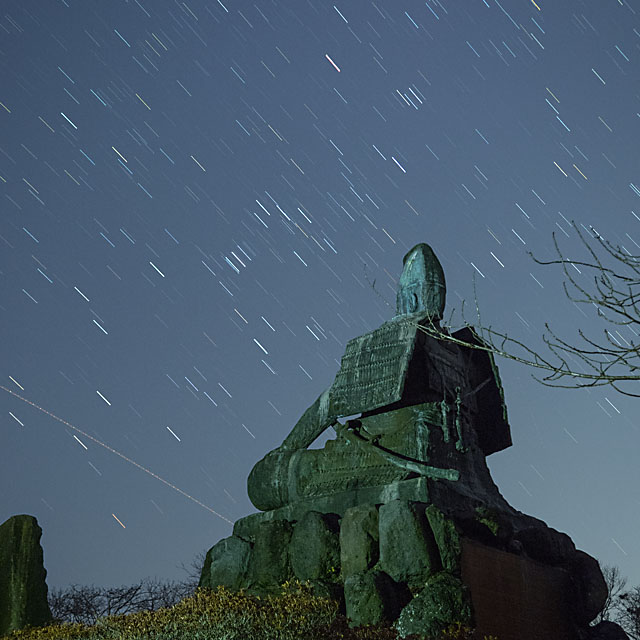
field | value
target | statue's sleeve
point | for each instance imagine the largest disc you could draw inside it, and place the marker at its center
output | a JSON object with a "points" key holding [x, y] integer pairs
{"points": [[314, 421]]}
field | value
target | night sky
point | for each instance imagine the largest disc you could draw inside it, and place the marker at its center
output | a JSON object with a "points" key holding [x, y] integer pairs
{"points": [[202, 202]]}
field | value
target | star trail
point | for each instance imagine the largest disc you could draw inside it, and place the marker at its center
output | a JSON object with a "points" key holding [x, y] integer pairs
{"points": [[202, 202]]}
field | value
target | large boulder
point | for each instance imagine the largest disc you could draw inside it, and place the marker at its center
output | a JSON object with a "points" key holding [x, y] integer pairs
{"points": [[378, 556], [372, 597], [546, 545], [315, 547], [331, 590], [447, 538], [359, 538], [270, 564], [227, 564], [408, 551], [443, 601], [587, 587], [23, 589]]}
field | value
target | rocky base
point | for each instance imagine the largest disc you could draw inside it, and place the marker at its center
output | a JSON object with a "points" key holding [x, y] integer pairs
{"points": [[410, 563]]}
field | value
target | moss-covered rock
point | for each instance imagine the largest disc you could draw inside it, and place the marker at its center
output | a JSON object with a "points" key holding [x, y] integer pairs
{"points": [[270, 565], [408, 552], [359, 549], [489, 519], [23, 589], [443, 602], [227, 564], [447, 538], [328, 590], [315, 547], [372, 597]]}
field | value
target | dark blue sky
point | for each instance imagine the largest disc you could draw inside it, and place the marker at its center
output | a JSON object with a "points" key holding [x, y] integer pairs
{"points": [[195, 202]]}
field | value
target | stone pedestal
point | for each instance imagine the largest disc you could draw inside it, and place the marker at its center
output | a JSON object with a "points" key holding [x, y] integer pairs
{"points": [[419, 564]]}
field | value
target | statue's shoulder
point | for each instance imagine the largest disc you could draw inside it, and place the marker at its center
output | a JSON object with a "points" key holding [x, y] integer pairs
{"points": [[400, 328]]}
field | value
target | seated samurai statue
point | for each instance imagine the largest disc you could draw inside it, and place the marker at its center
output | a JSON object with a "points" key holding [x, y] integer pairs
{"points": [[397, 517], [416, 407]]}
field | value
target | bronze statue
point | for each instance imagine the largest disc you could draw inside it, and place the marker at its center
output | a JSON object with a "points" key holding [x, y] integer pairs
{"points": [[425, 407], [397, 518]]}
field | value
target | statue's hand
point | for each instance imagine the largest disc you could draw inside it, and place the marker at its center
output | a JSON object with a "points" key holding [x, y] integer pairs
{"points": [[312, 423]]}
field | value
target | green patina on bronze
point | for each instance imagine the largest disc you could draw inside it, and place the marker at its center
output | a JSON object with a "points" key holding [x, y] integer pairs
{"points": [[353, 433], [374, 368], [419, 401], [421, 286]]}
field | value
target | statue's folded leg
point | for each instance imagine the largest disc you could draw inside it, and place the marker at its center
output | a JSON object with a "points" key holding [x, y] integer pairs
{"points": [[268, 482]]}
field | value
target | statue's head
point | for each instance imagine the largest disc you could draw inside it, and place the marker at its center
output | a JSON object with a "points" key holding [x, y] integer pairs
{"points": [[421, 286]]}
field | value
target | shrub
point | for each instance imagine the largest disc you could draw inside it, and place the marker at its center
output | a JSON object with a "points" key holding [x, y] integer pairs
{"points": [[56, 631], [295, 614]]}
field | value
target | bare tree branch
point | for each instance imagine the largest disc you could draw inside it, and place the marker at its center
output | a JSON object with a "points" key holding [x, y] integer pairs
{"points": [[629, 616], [616, 584], [86, 604], [614, 292], [194, 570]]}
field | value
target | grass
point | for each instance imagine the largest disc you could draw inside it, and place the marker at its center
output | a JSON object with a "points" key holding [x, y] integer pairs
{"points": [[296, 614]]}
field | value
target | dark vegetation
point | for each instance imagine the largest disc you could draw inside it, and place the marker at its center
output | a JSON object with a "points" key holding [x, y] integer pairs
{"points": [[179, 610], [86, 604], [153, 610], [623, 605], [295, 614]]}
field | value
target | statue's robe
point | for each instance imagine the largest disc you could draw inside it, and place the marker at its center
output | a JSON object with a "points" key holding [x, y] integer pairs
{"points": [[426, 407]]}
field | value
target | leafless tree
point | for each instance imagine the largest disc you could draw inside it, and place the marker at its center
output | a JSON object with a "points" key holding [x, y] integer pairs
{"points": [[85, 604], [629, 613], [616, 584], [611, 284], [194, 570]]}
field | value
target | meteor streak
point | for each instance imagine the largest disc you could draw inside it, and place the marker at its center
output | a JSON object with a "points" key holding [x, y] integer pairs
{"points": [[106, 446]]}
